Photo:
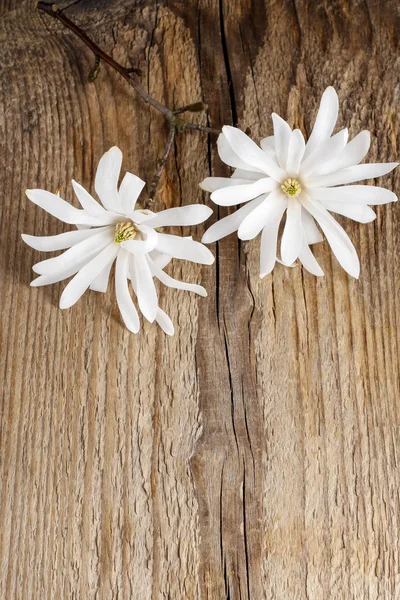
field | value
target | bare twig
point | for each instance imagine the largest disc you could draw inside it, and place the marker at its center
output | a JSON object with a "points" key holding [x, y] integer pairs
{"points": [[176, 123]]}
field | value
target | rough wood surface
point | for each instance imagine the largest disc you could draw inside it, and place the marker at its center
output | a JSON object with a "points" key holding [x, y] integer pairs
{"points": [[255, 454]]}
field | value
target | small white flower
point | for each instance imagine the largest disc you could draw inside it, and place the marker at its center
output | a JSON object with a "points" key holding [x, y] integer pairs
{"points": [[118, 233], [288, 175]]}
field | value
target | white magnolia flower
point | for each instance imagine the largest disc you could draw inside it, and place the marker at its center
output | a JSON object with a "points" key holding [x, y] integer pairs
{"points": [[117, 232], [288, 175]]}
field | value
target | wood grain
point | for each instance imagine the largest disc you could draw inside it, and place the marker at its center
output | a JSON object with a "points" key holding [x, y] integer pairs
{"points": [[254, 455]]}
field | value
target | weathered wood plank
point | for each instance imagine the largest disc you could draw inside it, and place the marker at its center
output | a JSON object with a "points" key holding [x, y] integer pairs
{"points": [[254, 454]]}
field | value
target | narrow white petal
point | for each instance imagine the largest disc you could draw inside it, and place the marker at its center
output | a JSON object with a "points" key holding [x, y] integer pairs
{"points": [[351, 174], [229, 157], [161, 260], [82, 280], [141, 215], [269, 237], [211, 184], [243, 193], [100, 284], [174, 283], [358, 194], [106, 182], [248, 175], [87, 201], [268, 146], [125, 303], [352, 154], [66, 273], [310, 229], [358, 212], [309, 262], [231, 223], [292, 233], [255, 221], [295, 153], [93, 244], [325, 121], [338, 239], [144, 287], [164, 322], [184, 249], [61, 241], [145, 245], [129, 191], [323, 153], [282, 135], [181, 216], [248, 151], [57, 207]]}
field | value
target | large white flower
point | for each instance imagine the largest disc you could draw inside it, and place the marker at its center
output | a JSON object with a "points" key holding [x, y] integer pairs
{"points": [[288, 175], [117, 232]]}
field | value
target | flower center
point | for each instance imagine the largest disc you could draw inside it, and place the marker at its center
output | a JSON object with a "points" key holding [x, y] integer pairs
{"points": [[124, 232], [291, 187]]}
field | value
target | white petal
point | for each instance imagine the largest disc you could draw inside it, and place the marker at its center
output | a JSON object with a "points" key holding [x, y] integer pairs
{"points": [[184, 248], [249, 152], [174, 283], [145, 245], [211, 184], [141, 215], [352, 154], [88, 203], [229, 157], [268, 146], [351, 174], [309, 262], [325, 121], [100, 284], [255, 221], [66, 273], [164, 322], [269, 237], [323, 153], [144, 287], [125, 303], [310, 229], [295, 153], [243, 193], [49, 243], [292, 233], [57, 207], [91, 245], [129, 191], [82, 280], [161, 260], [106, 182], [282, 135], [358, 194], [231, 223], [338, 239], [180, 216], [357, 212], [248, 175]]}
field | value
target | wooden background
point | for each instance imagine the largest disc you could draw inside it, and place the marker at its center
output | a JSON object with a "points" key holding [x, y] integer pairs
{"points": [[254, 455]]}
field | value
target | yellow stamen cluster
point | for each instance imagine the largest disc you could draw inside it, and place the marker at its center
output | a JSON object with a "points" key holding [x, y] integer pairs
{"points": [[291, 187], [124, 232]]}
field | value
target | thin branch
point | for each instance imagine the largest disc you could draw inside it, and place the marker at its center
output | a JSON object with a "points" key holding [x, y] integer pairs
{"points": [[161, 165], [176, 123], [57, 14]]}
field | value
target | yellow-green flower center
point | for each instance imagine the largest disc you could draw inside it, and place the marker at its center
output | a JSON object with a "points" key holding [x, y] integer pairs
{"points": [[291, 187], [124, 232]]}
